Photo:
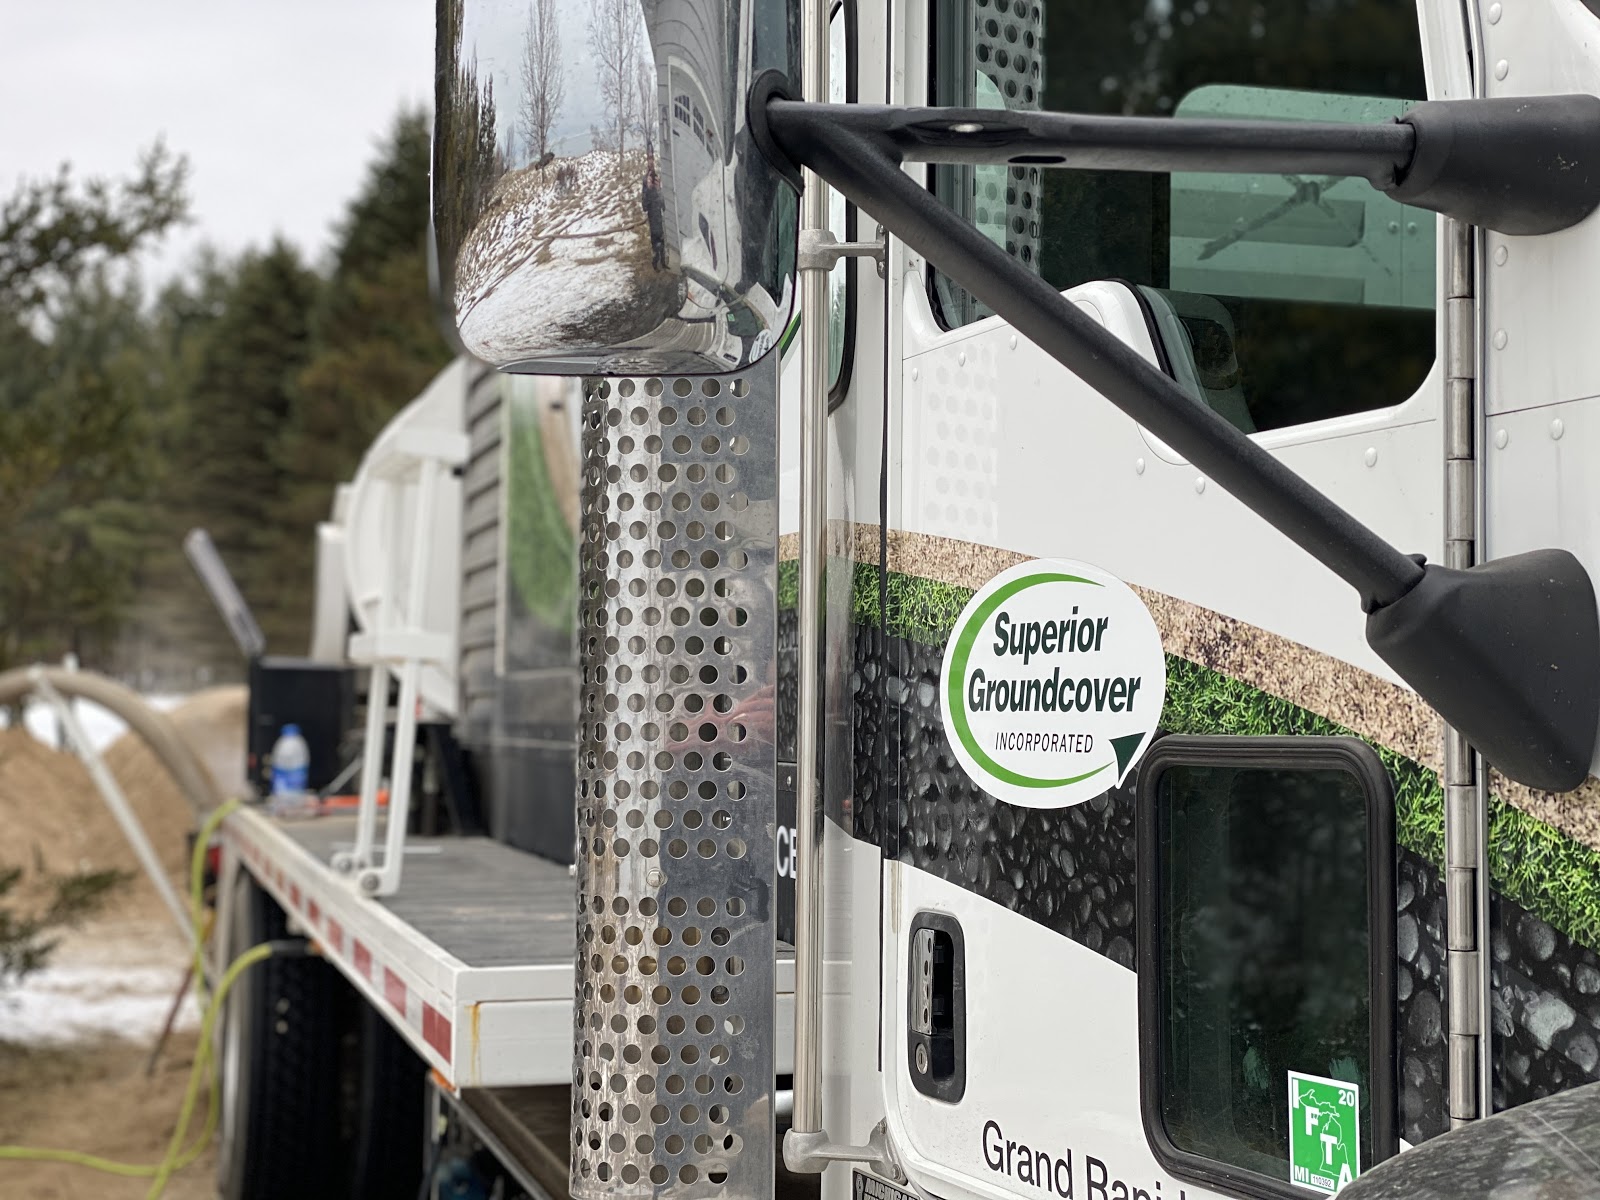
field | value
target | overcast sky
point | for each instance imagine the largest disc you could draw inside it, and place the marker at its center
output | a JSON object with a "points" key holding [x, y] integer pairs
{"points": [[278, 104]]}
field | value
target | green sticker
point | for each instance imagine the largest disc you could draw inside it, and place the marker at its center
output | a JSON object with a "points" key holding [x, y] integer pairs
{"points": [[1324, 1132]]}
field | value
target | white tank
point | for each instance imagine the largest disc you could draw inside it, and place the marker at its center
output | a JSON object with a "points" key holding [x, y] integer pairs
{"points": [[377, 564]]}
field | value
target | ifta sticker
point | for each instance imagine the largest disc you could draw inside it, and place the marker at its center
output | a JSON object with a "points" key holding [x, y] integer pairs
{"points": [[1052, 682], [1324, 1132]]}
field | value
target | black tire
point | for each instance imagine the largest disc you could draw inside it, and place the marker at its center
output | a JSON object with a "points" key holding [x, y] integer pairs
{"points": [[281, 1066], [390, 1086]]}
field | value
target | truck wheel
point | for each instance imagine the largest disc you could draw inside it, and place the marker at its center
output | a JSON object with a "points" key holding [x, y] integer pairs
{"points": [[391, 1086], [280, 1066]]}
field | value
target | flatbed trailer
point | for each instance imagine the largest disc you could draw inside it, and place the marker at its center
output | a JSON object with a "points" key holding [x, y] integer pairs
{"points": [[472, 961]]}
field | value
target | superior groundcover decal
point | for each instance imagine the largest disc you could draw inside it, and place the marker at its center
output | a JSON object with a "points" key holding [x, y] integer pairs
{"points": [[1053, 681]]}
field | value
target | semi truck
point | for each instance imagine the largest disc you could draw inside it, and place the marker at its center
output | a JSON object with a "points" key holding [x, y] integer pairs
{"points": [[1017, 611]]}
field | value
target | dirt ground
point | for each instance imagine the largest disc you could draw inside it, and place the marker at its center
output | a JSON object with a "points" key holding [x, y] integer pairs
{"points": [[94, 1097], [74, 1038]]}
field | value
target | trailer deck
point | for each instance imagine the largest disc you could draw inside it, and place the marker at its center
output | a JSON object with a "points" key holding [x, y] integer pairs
{"points": [[472, 959]]}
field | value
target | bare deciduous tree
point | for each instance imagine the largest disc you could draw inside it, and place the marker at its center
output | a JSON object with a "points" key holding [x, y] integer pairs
{"points": [[645, 101], [543, 82], [614, 38]]}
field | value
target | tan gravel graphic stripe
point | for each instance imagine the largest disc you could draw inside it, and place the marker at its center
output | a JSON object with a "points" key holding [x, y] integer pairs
{"points": [[1373, 707]]}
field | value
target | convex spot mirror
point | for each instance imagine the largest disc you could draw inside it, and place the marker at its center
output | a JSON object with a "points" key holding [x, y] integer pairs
{"points": [[599, 205]]}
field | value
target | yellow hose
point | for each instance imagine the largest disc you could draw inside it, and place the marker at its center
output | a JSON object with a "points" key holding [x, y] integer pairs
{"points": [[176, 1157], [77, 1159], [197, 883]]}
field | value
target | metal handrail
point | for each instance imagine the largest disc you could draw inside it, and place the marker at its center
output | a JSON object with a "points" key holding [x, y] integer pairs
{"points": [[813, 557]]}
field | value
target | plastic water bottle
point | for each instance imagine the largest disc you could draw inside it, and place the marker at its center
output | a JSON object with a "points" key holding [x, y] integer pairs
{"points": [[291, 767]]}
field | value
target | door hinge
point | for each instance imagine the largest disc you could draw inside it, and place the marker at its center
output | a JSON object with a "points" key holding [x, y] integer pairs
{"points": [[1460, 408], [1465, 823]]}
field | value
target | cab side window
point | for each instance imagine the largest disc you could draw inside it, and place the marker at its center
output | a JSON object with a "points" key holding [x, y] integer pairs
{"points": [[1278, 299], [1266, 973], [841, 214]]}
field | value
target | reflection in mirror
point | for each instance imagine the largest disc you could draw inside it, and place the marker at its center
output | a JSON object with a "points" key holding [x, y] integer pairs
{"points": [[991, 58], [599, 205], [540, 524], [1329, 239], [1321, 279]]}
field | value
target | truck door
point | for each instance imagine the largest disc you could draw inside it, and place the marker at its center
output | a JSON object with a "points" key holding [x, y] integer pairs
{"points": [[1188, 985], [1202, 1004]]}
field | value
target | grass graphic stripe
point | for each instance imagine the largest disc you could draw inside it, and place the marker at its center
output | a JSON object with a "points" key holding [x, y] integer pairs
{"points": [[1552, 875]]}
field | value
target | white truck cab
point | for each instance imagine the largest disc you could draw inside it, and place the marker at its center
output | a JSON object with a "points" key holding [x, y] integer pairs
{"points": [[1117, 471]]}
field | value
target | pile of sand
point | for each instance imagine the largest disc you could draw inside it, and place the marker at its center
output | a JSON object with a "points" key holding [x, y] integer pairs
{"points": [[52, 814], [63, 1082]]}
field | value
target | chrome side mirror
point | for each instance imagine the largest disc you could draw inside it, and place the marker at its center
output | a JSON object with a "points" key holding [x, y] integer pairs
{"points": [[599, 206]]}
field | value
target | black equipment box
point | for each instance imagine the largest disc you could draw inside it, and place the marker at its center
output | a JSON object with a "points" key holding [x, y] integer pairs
{"points": [[318, 697]]}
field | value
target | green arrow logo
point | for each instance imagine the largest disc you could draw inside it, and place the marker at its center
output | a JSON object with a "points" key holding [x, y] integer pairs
{"points": [[1126, 747]]}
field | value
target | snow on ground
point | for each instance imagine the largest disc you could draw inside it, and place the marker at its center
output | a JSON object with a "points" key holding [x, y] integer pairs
{"points": [[558, 294], [68, 1004], [101, 725], [531, 205], [110, 981], [551, 266]]}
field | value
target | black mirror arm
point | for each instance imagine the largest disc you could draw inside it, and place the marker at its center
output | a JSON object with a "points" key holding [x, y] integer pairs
{"points": [[1525, 165], [987, 136], [1509, 652], [866, 172]]}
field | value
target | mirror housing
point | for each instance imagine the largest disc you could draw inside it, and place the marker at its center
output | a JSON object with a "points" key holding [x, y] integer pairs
{"points": [[599, 204]]}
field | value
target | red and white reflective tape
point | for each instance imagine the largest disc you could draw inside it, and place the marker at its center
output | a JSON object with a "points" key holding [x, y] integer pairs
{"points": [[388, 984]]}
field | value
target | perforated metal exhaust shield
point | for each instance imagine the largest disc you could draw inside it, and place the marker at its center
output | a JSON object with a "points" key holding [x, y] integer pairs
{"points": [[673, 1063]]}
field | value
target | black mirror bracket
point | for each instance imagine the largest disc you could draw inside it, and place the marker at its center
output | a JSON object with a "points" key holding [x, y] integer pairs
{"points": [[1507, 652], [768, 86], [1518, 165]]}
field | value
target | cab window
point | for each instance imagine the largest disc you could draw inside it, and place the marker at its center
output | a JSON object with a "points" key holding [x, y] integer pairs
{"points": [[1266, 977], [841, 214], [1277, 299]]}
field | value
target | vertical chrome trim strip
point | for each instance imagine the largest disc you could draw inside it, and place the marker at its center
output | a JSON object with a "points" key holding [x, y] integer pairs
{"points": [[813, 559]]}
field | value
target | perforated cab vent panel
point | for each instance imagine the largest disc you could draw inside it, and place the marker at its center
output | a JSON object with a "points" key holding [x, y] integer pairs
{"points": [[1008, 47], [1003, 42], [674, 1065]]}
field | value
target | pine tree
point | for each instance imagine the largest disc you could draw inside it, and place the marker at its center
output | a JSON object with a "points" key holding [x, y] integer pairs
{"points": [[170, 629], [74, 400], [389, 215], [236, 409], [376, 344], [26, 931], [467, 149]]}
